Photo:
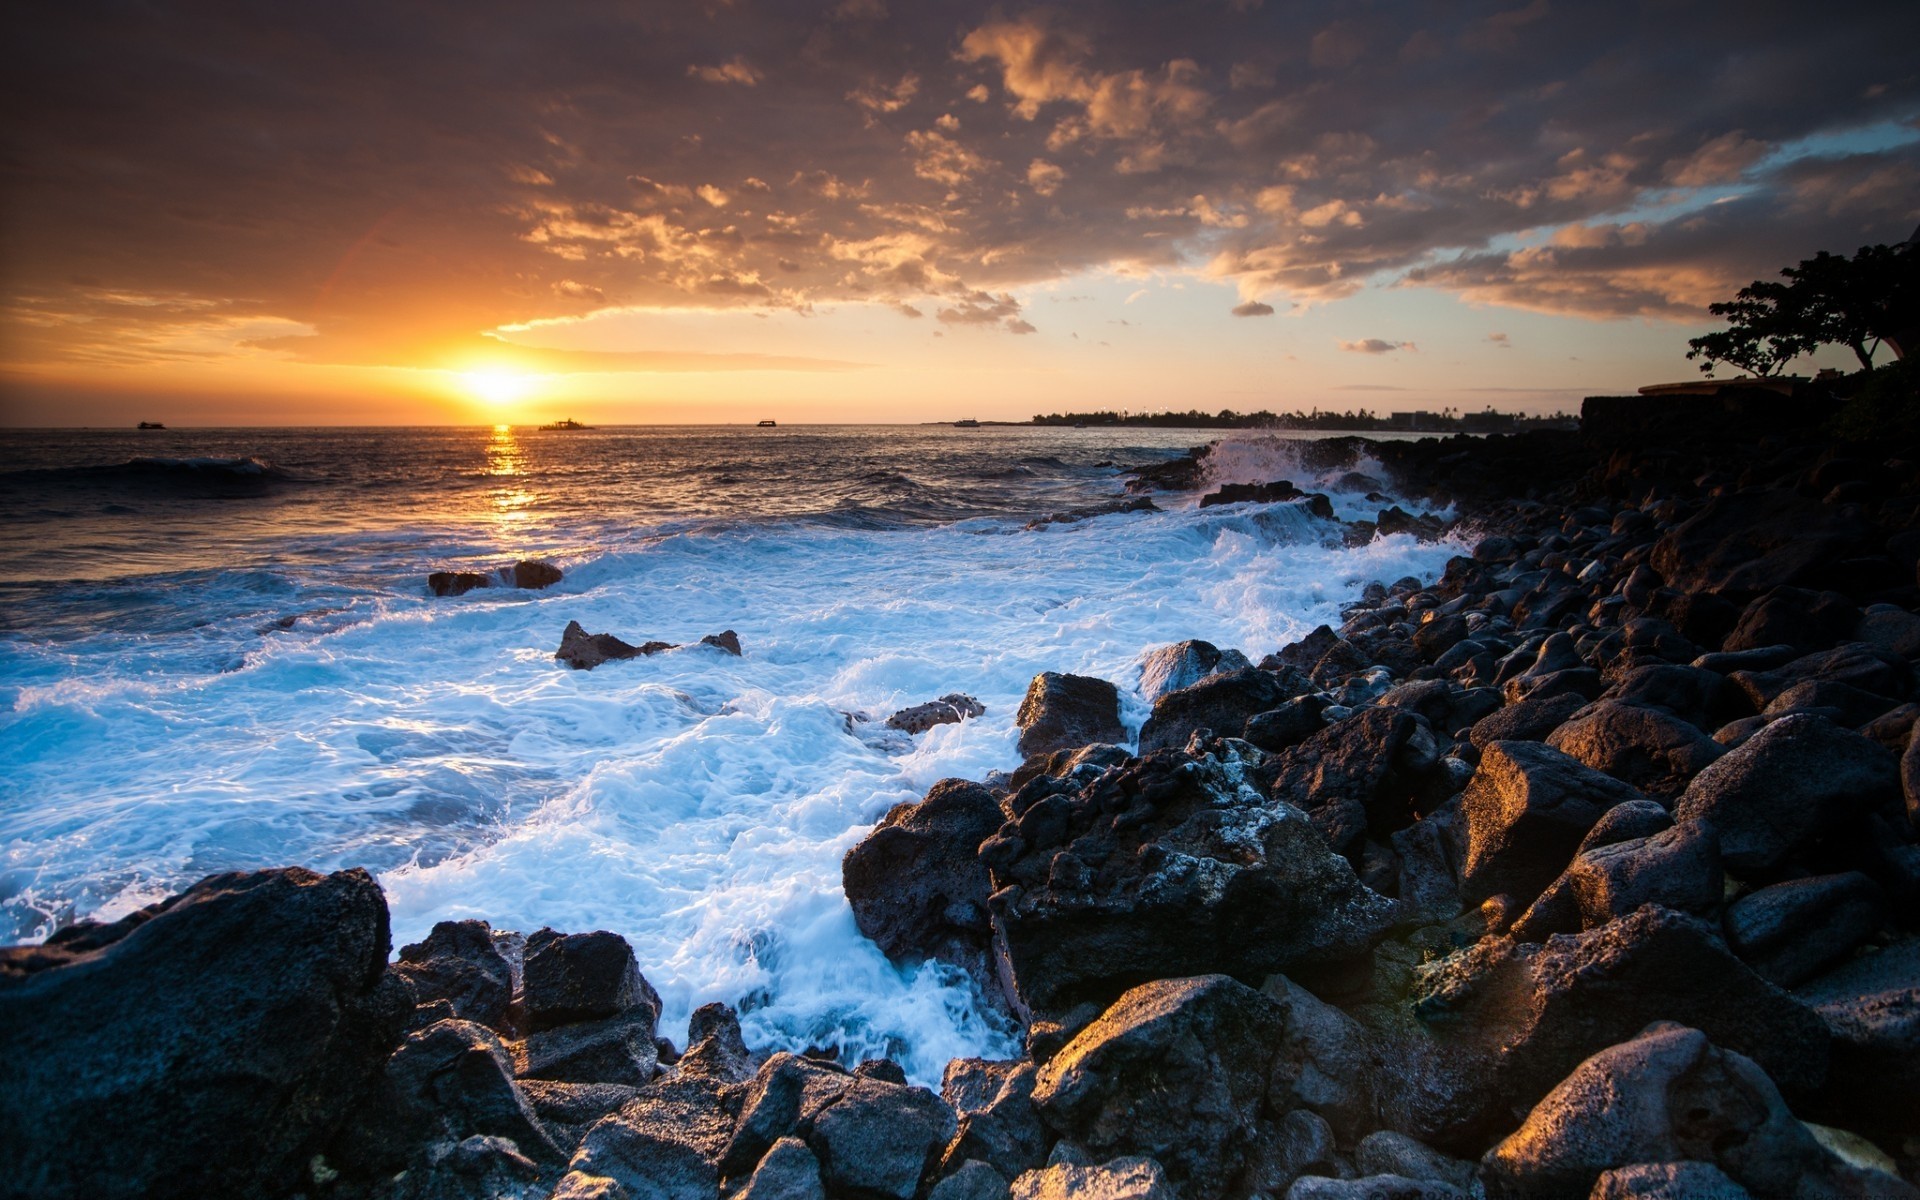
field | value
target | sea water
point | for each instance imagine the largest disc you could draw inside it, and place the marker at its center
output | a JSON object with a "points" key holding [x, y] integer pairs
{"points": [[218, 652]]}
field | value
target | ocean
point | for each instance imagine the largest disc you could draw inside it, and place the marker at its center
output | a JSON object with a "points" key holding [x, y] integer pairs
{"points": [[218, 652]]}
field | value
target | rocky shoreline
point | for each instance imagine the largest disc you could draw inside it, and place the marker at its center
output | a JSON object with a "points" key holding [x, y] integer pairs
{"points": [[1588, 869]]}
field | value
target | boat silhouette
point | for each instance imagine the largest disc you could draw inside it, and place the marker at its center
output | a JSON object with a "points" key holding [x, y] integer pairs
{"points": [[567, 423]]}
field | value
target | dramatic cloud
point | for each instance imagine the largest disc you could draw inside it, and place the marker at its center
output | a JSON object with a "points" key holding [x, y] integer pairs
{"points": [[361, 183], [1376, 346]]}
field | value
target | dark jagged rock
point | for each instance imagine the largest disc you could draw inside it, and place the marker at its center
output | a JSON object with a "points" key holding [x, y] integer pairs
{"points": [[533, 574], [567, 1110], [1220, 702], [1525, 812], [582, 977], [1071, 516], [584, 651], [1279, 491], [459, 963], [1669, 1095], [1792, 782], [1791, 931], [916, 885], [1535, 1011], [1169, 668], [1176, 1070], [1065, 712], [715, 1048], [1656, 752], [727, 640], [998, 1124], [950, 709], [1288, 725], [1166, 868], [1678, 869], [1078, 762], [790, 1171], [445, 1083], [207, 1045], [1359, 775], [456, 583], [617, 1050], [871, 1137]]}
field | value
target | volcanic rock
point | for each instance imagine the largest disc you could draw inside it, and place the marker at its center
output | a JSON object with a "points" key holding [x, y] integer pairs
{"points": [[1065, 712], [1654, 751], [915, 884], [950, 709], [1220, 702], [1127, 1178], [1787, 785], [206, 1045], [998, 1123], [456, 583], [1526, 811], [1183, 664], [459, 963], [584, 651], [533, 574], [1790, 931]]}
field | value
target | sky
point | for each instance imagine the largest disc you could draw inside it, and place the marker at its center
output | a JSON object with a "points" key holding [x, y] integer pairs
{"points": [[869, 210]]}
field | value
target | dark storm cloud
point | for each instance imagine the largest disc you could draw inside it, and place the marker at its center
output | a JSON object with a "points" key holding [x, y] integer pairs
{"points": [[360, 182]]}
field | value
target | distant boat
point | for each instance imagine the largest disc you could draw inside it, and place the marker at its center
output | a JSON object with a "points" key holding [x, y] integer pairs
{"points": [[767, 425], [567, 424], [151, 425], [966, 423]]}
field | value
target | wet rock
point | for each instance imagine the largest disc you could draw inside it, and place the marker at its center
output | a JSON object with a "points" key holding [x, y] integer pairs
{"points": [[1677, 869], [788, 1172], [1656, 752], [1165, 868], [1527, 721], [582, 977], [533, 574], [1278, 491], [916, 885], [205, 1045], [459, 963], [1183, 664], [1081, 763], [1525, 812], [1669, 1095], [1176, 1070], [1790, 783], [1065, 712], [1221, 702], [998, 1123], [1536, 1010], [1128, 1178], [584, 651], [729, 641], [456, 583], [1791, 931], [947, 710]]}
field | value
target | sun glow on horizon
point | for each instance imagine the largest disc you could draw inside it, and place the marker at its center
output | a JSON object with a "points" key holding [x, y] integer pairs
{"points": [[496, 386]]}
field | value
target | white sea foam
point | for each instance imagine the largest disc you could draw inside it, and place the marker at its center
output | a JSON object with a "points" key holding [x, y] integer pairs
{"points": [[696, 803]]}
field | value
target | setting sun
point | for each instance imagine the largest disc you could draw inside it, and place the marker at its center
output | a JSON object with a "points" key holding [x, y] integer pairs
{"points": [[496, 386]]}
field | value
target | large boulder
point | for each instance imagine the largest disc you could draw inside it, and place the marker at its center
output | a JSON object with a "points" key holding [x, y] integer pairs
{"points": [[1669, 1095], [1794, 781], [1656, 752], [1677, 868], [916, 885], [1171, 866], [590, 1013], [1530, 720], [459, 963], [1526, 811], [1169, 668], [1064, 712], [1176, 1070], [1358, 775], [208, 1045], [1524, 1015], [1221, 703], [1791, 931]]}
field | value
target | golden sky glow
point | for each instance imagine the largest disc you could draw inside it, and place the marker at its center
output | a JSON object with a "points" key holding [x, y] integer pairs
{"points": [[856, 211]]}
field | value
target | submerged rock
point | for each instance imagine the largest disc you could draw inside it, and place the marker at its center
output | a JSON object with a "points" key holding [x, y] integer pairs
{"points": [[950, 709], [584, 651]]}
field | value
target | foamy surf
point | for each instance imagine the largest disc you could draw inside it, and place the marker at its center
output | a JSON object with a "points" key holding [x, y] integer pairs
{"points": [[697, 803]]}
